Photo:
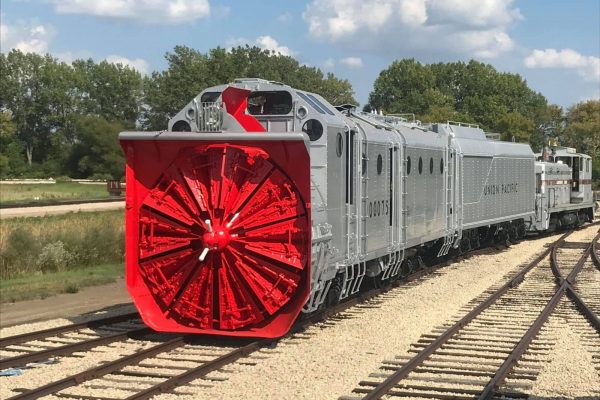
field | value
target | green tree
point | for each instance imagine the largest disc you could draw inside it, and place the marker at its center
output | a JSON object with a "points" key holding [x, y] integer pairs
{"points": [[7, 129], [7, 137], [168, 91], [38, 92], [515, 125], [582, 131], [400, 88], [20, 89], [113, 91], [45, 98], [97, 150], [191, 71], [583, 127], [469, 92]]}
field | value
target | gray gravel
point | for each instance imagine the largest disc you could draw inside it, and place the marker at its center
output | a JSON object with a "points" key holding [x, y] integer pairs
{"points": [[568, 371], [339, 355]]}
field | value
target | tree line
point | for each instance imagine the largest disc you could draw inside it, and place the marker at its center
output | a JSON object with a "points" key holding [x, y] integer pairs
{"points": [[60, 119], [499, 102], [63, 119]]}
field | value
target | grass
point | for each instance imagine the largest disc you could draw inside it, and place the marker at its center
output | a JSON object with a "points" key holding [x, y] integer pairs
{"points": [[41, 286], [25, 193], [41, 245]]}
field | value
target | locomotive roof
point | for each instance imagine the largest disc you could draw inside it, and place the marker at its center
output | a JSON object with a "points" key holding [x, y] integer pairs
{"points": [[566, 152]]}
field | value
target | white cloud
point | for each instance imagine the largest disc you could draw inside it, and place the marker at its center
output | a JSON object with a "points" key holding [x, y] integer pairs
{"points": [[27, 36], [151, 11], [586, 66], [138, 64], [264, 42], [352, 62], [470, 27], [329, 64], [268, 43]]}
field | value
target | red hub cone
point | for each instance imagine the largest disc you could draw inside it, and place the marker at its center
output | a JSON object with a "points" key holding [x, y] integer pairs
{"points": [[223, 239]]}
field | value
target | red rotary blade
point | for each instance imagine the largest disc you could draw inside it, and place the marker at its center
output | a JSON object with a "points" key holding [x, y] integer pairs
{"points": [[222, 238]]}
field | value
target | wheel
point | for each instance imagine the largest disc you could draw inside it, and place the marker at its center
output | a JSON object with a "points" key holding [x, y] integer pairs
{"points": [[408, 267], [581, 218], [465, 245], [513, 235], [521, 230], [333, 295]]}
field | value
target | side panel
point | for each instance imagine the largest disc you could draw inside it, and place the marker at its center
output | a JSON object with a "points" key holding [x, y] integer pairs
{"points": [[336, 188], [497, 189], [377, 212], [425, 194]]}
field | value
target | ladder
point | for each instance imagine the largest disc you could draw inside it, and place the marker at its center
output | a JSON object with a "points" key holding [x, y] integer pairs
{"points": [[458, 199], [364, 196], [404, 192], [449, 211], [353, 277]]}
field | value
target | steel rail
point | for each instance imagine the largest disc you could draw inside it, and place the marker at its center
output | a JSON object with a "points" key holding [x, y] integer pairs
{"points": [[99, 371], [201, 370], [66, 202], [595, 257], [245, 351], [564, 286], [205, 368], [23, 359], [571, 292], [95, 323], [583, 307], [384, 387]]}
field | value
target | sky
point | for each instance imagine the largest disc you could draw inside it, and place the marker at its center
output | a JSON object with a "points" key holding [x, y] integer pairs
{"points": [[553, 44]]}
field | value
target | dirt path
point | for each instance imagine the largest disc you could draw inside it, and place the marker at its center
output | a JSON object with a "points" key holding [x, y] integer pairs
{"points": [[62, 209], [64, 305]]}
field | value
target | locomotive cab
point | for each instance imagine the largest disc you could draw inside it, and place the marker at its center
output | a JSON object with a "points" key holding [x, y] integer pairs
{"points": [[581, 176], [563, 189]]}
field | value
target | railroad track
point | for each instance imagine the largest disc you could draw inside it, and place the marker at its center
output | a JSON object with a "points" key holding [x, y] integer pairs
{"points": [[492, 350], [596, 254], [46, 203], [65, 340], [176, 361], [172, 363]]}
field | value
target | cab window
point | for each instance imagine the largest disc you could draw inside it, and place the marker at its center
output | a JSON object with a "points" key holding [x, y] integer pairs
{"points": [[270, 103]]}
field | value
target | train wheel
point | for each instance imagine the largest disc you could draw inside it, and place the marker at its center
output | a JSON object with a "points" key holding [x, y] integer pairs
{"points": [[465, 245], [407, 267], [513, 234], [333, 295], [581, 218], [521, 230]]}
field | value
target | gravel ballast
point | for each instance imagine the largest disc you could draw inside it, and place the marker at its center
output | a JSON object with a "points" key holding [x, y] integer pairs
{"points": [[568, 371], [332, 359]]}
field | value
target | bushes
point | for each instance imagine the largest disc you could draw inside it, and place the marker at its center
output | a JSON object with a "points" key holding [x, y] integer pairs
{"points": [[39, 245], [54, 257]]}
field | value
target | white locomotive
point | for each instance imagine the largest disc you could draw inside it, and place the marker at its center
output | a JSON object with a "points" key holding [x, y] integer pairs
{"points": [[564, 194]]}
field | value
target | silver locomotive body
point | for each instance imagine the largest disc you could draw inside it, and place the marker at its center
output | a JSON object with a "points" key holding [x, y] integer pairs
{"points": [[386, 191]]}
